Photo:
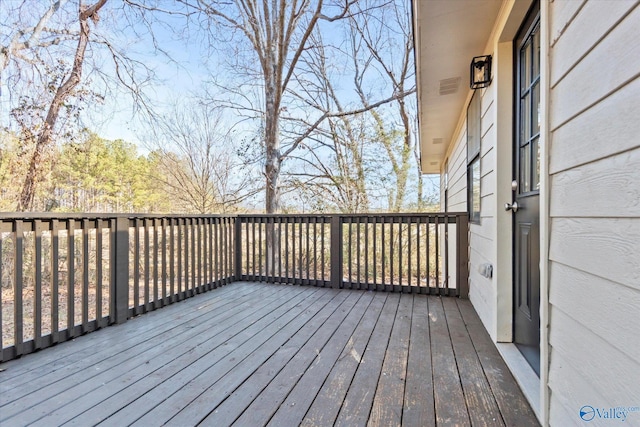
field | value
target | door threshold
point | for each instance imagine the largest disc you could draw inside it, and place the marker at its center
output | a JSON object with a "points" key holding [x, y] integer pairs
{"points": [[523, 373]]}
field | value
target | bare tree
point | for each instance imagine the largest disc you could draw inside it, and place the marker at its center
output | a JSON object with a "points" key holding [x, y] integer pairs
{"points": [[197, 167], [54, 63], [278, 32], [386, 35], [353, 159], [65, 89]]}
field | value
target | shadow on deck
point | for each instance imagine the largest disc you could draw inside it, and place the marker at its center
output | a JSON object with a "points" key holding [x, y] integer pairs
{"points": [[252, 354]]}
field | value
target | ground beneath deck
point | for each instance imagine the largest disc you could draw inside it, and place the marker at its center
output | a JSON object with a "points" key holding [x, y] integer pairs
{"points": [[253, 354]]}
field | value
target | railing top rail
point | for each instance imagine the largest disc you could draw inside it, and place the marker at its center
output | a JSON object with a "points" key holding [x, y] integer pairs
{"points": [[48, 216], [44, 216], [357, 215]]}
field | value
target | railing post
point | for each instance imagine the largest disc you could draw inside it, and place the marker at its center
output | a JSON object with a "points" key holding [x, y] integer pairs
{"points": [[462, 249], [119, 270], [237, 247], [336, 251]]}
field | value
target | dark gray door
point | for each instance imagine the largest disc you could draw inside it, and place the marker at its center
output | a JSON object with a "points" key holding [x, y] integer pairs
{"points": [[526, 189]]}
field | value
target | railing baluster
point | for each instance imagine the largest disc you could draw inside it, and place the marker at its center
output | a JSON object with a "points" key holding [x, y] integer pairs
{"points": [[375, 254], [315, 251], [418, 255], [350, 252], [300, 221], [172, 263], [210, 275], [99, 316], [293, 249], [71, 282], [225, 251], [85, 275], [179, 250], [194, 261], [17, 286], [392, 256], [163, 266], [428, 237], [147, 267], [336, 251], [37, 295], [136, 265], [307, 247], [446, 253], [279, 220], [261, 255], [384, 248], [437, 247], [55, 281], [366, 253], [358, 229]]}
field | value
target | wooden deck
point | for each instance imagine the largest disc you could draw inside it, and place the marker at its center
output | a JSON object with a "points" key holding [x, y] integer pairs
{"points": [[252, 354]]}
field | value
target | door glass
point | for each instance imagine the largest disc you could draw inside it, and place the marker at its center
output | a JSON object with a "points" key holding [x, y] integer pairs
{"points": [[525, 169], [525, 70], [535, 170], [525, 117], [535, 113], [536, 52]]}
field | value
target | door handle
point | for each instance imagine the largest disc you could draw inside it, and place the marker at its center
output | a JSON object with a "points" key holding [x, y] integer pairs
{"points": [[511, 207]]}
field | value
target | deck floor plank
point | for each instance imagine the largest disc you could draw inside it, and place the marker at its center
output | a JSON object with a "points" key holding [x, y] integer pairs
{"points": [[116, 373], [326, 406], [262, 408], [218, 388], [483, 409], [256, 354], [451, 408], [76, 354], [199, 357], [418, 399], [237, 404], [96, 370], [357, 403], [388, 402], [204, 393], [515, 410], [299, 400]]}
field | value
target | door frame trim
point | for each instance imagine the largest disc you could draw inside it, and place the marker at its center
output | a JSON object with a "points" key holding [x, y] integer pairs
{"points": [[507, 25]]}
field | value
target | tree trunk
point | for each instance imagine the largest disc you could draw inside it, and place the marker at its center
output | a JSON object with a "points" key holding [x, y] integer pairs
{"points": [[272, 147]]}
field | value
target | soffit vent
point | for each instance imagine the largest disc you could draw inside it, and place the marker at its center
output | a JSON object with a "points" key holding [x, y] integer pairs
{"points": [[449, 86], [437, 141]]}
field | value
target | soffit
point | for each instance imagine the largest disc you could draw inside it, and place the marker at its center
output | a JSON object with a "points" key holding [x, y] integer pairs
{"points": [[448, 33]]}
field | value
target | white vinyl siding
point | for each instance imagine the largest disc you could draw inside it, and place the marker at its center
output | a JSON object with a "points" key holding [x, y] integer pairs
{"points": [[594, 242], [482, 290]]}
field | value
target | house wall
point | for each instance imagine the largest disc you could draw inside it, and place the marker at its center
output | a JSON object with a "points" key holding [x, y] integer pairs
{"points": [[590, 203], [594, 208]]}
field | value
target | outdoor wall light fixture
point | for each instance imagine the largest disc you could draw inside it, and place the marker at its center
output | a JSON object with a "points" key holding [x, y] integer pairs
{"points": [[480, 71]]}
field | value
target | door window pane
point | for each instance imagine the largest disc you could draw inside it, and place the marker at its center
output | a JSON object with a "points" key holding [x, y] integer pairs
{"points": [[525, 67], [535, 113], [525, 169], [535, 179], [525, 119], [536, 53]]}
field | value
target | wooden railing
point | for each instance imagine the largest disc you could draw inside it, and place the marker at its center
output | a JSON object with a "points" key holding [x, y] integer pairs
{"points": [[62, 276]]}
